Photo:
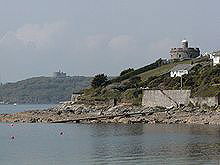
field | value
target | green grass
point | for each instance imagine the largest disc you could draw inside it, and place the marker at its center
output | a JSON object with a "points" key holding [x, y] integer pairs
{"points": [[202, 81], [208, 91], [161, 70]]}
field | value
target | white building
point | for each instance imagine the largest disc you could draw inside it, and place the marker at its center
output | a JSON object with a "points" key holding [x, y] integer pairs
{"points": [[215, 58], [180, 70], [59, 74], [178, 73]]}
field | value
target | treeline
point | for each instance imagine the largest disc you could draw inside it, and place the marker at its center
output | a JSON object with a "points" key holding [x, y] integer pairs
{"points": [[131, 72]]}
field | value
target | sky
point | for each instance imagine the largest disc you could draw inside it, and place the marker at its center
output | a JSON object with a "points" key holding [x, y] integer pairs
{"points": [[88, 37]]}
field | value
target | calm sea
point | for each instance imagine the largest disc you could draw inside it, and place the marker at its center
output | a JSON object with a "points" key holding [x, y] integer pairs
{"points": [[23, 107], [98, 144]]}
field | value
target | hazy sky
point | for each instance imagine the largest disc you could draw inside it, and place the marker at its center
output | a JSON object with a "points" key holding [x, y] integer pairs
{"points": [[85, 37]]}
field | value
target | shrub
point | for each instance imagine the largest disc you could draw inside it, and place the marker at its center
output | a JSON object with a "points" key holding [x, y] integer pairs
{"points": [[154, 65], [99, 80], [126, 71]]}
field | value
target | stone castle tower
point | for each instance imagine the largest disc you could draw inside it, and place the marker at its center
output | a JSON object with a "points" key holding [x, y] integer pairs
{"points": [[185, 52]]}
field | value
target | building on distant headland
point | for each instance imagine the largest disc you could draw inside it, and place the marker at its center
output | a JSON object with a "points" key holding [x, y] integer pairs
{"points": [[185, 52], [215, 58], [59, 74]]}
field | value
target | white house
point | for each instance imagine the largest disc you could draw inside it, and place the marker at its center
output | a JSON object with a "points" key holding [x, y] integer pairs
{"points": [[180, 70], [215, 58]]}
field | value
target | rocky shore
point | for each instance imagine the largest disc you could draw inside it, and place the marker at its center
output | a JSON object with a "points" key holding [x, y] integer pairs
{"points": [[120, 114]]}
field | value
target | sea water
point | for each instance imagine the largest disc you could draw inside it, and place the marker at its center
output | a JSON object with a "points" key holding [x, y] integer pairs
{"points": [[10, 108], [68, 144]]}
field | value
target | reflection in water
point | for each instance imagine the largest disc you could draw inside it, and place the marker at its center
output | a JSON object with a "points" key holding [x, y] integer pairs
{"points": [[163, 144], [40, 144], [106, 130], [118, 148]]}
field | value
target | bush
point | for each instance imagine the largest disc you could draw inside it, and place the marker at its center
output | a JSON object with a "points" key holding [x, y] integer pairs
{"points": [[133, 96], [126, 71], [154, 65], [134, 81], [99, 80]]}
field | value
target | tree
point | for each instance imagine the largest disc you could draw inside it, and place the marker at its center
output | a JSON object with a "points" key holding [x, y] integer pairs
{"points": [[126, 71], [99, 80]]}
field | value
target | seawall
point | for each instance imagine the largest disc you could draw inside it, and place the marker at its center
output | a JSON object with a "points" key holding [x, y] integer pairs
{"points": [[165, 98]]}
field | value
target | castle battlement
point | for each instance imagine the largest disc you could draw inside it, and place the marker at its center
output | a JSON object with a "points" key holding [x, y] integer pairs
{"points": [[184, 52]]}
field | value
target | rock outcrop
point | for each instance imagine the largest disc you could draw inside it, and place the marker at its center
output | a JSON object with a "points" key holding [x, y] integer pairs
{"points": [[120, 114]]}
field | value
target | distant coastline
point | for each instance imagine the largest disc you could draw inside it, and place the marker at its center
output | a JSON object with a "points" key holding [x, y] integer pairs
{"points": [[42, 90]]}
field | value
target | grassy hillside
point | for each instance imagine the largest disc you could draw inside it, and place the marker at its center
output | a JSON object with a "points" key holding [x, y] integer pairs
{"points": [[136, 72], [42, 89], [161, 70], [203, 80]]}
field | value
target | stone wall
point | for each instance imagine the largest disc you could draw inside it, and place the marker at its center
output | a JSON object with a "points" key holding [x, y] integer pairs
{"points": [[165, 98], [209, 101], [180, 53]]}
